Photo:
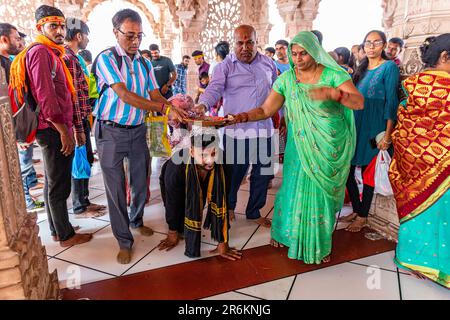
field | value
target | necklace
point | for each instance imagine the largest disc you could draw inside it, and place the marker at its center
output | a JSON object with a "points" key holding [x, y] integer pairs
{"points": [[310, 79]]}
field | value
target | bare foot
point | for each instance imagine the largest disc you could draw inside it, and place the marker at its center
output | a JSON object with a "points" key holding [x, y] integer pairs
{"points": [[231, 215], [56, 238], [89, 214], [348, 218], [78, 238], [264, 222], [170, 242], [327, 259], [124, 256], [96, 207], [357, 225], [276, 244], [227, 252], [145, 231]]}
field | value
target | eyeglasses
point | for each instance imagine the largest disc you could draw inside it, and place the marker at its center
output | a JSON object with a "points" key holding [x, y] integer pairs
{"points": [[376, 43], [132, 36]]}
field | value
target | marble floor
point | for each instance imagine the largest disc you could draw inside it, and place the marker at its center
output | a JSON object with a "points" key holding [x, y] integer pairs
{"points": [[360, 268]]}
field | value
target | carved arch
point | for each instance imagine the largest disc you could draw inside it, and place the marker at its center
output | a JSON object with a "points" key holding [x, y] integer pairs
{"points": [[156, 26]]}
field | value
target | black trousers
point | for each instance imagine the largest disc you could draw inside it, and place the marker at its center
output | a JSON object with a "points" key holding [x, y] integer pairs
{"points": [[80, 187], [360, 207], [58, 172], [174, 204]]}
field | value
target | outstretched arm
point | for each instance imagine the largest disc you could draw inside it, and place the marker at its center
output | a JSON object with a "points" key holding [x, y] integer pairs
{"points": [[273, 103]]}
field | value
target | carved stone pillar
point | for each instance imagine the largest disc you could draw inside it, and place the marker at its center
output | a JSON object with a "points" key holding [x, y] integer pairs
{"points": [[190, 41], [70, 8], [414, 21], [383, 217], [298, 15], [256, 14], [23, 262], [169, 35], [191, 17]]}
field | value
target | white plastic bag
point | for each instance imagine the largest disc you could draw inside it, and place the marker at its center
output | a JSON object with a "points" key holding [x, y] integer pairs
{"points": [[382, 183]]}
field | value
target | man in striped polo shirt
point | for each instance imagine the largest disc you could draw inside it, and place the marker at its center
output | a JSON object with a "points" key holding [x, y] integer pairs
{"points": [[120, 131]]}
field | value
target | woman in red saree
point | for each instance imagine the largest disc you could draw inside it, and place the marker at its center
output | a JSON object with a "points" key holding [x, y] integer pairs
{"points": [[420, 169]]}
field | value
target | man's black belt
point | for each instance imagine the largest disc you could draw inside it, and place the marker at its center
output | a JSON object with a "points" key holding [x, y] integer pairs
{"points": [[116, 125]]}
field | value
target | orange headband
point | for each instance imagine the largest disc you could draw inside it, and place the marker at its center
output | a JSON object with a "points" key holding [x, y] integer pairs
{"points": [[50, 19]]}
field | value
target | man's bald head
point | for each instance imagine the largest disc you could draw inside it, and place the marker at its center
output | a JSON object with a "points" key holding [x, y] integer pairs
{"points": [[245, 43]]}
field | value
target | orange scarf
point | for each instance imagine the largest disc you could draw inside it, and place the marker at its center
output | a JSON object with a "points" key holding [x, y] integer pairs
{"points": [[421, 163], [18, 68]]}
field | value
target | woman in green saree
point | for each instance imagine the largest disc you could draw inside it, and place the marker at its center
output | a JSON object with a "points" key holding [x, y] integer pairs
{"points": [[319, 96]]}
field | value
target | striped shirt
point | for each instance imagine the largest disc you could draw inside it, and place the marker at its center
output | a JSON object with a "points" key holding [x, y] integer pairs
{"points": [[109, 106]]}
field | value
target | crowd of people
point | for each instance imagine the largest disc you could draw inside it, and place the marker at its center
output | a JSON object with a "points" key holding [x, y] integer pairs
{"points": [[335, 110]]}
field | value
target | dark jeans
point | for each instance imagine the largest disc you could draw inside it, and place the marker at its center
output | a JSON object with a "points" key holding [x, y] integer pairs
{"points": [[113, 146], [58, 171], [360, 207], [80, 187], [239, 155]]}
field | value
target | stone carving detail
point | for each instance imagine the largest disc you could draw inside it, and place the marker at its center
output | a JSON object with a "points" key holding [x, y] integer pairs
{"points": [[298, 15], [383, 217], [414, 63], [156, 26], [23, 262], [223, 18], [21, 14], [389, 7]]}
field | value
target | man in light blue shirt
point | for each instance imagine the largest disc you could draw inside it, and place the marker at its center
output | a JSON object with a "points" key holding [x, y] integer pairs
{"points": [[120, 133]]}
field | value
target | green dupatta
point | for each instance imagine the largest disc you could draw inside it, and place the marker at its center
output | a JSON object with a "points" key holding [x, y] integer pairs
{"points": [[324, 131]]}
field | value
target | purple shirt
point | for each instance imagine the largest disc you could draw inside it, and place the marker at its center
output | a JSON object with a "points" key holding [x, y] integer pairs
{"points": [[51, 94], [243, 87], [203, 68]]}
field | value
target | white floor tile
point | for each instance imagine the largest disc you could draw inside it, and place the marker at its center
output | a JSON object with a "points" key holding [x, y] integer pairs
{"points": [[230, 296], [154, 208], [333, 283], [41, 216], [53, 248], [100, 253], [155, 216], [273, 290], [72, 276], [260, 238], [382, 260], [416, 289], [158, 259], [240, 232]]}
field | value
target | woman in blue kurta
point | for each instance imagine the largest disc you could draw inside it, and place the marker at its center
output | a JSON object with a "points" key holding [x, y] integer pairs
{"points": [[377, 79]]}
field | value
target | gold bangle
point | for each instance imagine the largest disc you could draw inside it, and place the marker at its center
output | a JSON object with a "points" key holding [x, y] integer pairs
{"points": [[168, 110]]}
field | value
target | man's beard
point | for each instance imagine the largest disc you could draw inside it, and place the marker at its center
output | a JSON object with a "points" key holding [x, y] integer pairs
{"points": [[13, 50]]}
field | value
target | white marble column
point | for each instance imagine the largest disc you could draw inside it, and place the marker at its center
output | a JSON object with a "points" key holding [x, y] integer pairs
{"points": [[298, 15]]}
